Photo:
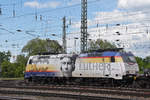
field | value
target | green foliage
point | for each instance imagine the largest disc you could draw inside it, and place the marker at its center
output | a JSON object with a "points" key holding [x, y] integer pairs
{"points": [[4, 56], [16, 69], [20, 65], [147, 59], [21, 59], [146, 62], [7, 69], [100, 44], [143, 63], [37, 45], [19, 69], [140, 63]]}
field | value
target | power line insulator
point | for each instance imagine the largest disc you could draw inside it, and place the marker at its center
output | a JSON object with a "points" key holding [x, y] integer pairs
{"points": [[14, 14], [70, 22], [36, 17], [40, 17], [0, 11], [97, 25], [117, 24]]}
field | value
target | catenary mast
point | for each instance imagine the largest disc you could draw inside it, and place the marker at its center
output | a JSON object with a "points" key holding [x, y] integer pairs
{"points": [[84, 26], [64, 35]]}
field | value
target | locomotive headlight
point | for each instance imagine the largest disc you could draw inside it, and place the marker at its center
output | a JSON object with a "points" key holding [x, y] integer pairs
{"points": [[127, 72], [137, 72], [134, 77]]}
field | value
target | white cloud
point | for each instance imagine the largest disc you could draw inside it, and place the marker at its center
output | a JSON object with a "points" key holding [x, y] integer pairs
{"points": [[115, 17], [35, 4], [134, 4], [118, 17], [141, 7], [73, 2]]}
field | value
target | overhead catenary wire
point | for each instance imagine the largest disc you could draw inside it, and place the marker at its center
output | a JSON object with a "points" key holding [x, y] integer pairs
{"points": [[59, 26], [51, 10]]}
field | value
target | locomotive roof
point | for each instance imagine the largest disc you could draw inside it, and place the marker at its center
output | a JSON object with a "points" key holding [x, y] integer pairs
{"points": [[47, 53], [52, 56], [106, 53], [109, 49]]}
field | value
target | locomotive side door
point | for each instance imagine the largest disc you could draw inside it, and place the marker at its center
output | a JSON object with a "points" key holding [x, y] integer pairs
{"points": [[107, 67], [107, 70]]}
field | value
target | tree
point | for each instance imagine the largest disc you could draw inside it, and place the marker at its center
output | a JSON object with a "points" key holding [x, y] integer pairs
{"points": [[143, 63], [140, 63], [37, 45], [100, 44], [22, 59], [14, 69], [20, 65], [147, 59], [8, 69], [19, 69], [5, 56], [146, 62]]}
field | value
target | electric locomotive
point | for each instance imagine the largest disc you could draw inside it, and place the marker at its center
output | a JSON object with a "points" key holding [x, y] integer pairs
{"points": [[111, 63], [100, 64]]}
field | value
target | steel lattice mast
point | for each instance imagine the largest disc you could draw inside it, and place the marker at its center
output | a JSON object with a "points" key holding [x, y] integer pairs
{"points": [[64, 35], [84, 26]]}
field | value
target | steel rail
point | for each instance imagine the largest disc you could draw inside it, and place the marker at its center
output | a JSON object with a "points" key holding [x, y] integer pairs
{"points": [[64, 95], [111, 91]]}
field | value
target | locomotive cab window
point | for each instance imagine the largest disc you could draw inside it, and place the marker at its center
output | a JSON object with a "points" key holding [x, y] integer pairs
{"points": [[112, 59], [30, 61], [129, 59]]}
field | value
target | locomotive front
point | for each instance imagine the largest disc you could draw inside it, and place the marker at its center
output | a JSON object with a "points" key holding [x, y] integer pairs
{"points": [[131, 66]]}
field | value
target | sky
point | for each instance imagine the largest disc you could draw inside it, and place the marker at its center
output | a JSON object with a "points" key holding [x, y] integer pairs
{"points": [[42, 18]]}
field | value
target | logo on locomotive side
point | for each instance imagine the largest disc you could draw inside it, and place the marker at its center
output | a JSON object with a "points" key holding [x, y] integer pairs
{"points": [[95, 66], [104, 68], [35, 68]]}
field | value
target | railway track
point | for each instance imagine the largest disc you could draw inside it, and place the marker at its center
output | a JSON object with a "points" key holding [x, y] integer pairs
{"points": [[75, 92], [65, 94], [13, 98]]}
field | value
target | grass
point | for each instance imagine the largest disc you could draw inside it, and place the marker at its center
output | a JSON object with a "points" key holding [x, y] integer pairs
{"points": [[20, 78]]}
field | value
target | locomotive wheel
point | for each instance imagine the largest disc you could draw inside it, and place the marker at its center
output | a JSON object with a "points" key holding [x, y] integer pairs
{"points": [[26, 80], [136, 84], [140, 84]]}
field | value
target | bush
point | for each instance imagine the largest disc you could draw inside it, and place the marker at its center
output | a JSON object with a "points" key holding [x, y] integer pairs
{"points": [[12, 70]]}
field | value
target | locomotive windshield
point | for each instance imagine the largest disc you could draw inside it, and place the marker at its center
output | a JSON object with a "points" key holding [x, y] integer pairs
{"points": [[129, 59], [132, 59], [39, 60]]}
